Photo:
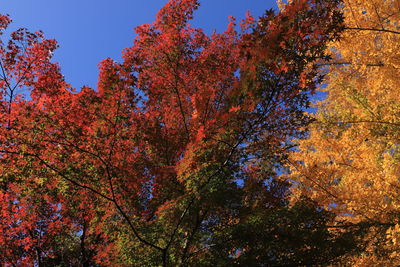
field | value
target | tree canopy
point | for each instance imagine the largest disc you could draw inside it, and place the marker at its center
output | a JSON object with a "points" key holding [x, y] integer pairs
{"points": [[198, 150], [350, 161]]}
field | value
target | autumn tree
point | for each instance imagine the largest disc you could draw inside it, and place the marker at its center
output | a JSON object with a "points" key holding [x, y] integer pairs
{"points": [[173, 159], [350, 161]]}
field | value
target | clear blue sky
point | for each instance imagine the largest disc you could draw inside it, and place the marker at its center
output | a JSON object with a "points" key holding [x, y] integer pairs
{"points": [[91, 30]]}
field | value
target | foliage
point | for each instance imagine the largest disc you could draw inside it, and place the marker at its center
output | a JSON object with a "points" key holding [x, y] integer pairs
{"points": [[350, 161], [173, 159]]}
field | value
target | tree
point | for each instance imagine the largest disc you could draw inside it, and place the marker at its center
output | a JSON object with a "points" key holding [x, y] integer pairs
{"points": [[349, 163], [159, 164]]}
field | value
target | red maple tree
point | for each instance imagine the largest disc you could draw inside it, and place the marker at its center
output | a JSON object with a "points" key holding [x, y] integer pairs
{"points": [[178, 144]]}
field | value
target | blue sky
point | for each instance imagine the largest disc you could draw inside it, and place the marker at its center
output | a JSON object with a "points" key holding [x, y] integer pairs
{"points": [[90, 30]]}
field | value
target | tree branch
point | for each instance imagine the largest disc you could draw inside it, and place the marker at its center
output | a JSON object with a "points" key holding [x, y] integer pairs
{"points": [[371, 29]]}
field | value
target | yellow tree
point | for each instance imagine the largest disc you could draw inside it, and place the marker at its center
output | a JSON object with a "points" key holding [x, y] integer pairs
{"points": [[350, 162]]}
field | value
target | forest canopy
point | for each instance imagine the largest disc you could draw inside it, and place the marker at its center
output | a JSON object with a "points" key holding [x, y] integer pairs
{"points": [[201, 150]]}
